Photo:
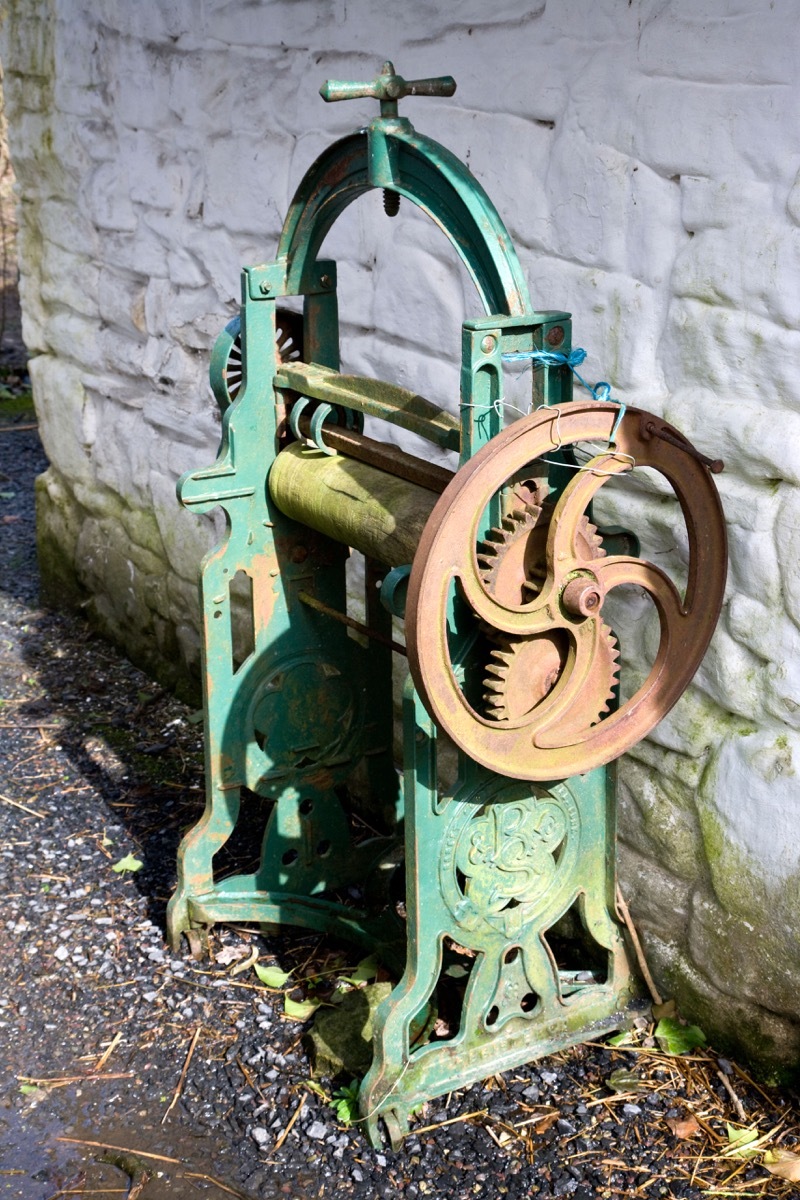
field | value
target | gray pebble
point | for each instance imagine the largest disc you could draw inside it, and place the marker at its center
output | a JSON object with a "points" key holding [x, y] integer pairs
{"points": [[317, 1130]]}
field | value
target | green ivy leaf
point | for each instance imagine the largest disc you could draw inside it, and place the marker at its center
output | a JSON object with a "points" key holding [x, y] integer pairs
{"points": [[317, 1088], [739, 1142], [675, 1038], [272, 977], [621, 1039], [367, 969], [626, 1081], [300, 1010], [129, 863]]}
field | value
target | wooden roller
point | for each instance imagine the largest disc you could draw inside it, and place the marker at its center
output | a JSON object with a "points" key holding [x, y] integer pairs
{"points": [[379, 514]]}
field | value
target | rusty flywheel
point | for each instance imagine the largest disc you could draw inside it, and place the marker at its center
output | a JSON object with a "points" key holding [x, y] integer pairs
{"points": [[554, 659]]}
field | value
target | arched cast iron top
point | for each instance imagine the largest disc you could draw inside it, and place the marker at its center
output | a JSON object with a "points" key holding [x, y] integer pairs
{"points": [[427, 174]]}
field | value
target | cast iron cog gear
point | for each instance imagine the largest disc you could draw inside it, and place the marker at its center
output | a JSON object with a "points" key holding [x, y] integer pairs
{"points": [[521, 672]]}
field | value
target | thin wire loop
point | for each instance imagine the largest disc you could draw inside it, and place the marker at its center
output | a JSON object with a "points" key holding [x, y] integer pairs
{"points": [[621, 454]]}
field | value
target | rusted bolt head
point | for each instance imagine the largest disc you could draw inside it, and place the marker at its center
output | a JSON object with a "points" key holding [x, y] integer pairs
{"points": [[583, 597], [299, 554], [326, 281], [555, 336], [488, 344], [264, 288]]}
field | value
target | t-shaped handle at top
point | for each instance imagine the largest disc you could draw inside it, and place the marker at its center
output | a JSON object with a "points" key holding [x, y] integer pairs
{"points": [[388, 88]]}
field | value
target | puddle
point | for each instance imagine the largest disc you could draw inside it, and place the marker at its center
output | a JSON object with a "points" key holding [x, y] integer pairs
{"points": [[45, 1152]]}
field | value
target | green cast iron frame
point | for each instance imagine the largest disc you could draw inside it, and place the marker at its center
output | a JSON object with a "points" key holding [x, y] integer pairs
{"points": [[309, 704]]}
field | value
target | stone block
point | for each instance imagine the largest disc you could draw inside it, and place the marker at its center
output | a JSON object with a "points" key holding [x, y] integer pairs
{"points": [[757, 281], [416, 298], [108, 197], [145, 253], [28, 44], [787, 532], [186, 270], [223, 257], [186, 538], [67, 224], [733, 676], [677, 128], [667, 822], [125, 441], [60, 401], [658, 900], [246, 183], [752, 440], [128, 63], [58, 524], [159, 172], [121, 299], [69, 279], [161, 23], [748, 811], [735, 1025], [705, 44], [723, 203], [751, 968]]}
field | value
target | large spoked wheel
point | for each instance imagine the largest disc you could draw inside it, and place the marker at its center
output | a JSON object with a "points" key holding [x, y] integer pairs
{"points": [[225, 371], [556, 657]]}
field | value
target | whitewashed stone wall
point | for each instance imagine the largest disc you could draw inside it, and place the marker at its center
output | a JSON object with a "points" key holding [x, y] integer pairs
{"points": [[646, 158]]}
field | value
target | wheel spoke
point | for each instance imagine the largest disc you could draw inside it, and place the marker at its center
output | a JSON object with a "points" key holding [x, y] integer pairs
{"points": [[540, 615], [576, 675], [621, 568], [573, 503]]}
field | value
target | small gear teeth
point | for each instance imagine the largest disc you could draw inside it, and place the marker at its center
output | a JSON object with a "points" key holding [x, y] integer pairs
{"points": [[494, 685], [502, 658], [512, 521], [613, 652], [613, 655], [590, 535]]}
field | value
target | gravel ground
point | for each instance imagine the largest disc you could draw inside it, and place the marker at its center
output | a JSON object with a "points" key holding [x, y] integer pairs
{"points": [[111, 1041]]}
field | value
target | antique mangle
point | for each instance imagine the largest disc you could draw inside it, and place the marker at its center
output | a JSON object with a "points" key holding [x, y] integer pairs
{"points": [[493, 899]]}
